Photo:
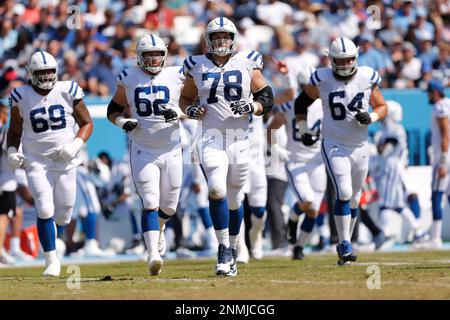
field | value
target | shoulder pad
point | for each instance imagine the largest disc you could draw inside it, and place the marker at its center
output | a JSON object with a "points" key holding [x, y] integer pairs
{"points": [[317, 76], [15, 96], [256, 57], [188, 64]]}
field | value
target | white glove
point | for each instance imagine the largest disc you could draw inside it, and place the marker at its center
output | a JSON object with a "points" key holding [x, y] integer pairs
{"points": [[15, 158], [68, 151], [281, 152]]}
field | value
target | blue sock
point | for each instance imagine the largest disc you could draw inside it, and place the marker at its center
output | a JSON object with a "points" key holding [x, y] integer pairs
{"points": [[308, 224], [320, 220], [354, 212], [220, 215], [297, 210], [89, 225], [258, 211], [47, 233], [414, 205], [60, 230], [436, 205], [149, 220], [236, 217], [342, 208], [134, 225], [205, 216]]}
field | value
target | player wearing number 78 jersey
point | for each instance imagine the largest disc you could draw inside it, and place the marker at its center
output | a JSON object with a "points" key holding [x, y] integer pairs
{"points": [[44, 115], [346, 92], [149, 93], [230, 86]]}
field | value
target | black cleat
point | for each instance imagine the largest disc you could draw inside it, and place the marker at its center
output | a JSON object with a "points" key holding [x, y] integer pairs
{"points": [[345, 253], [298, 253]]}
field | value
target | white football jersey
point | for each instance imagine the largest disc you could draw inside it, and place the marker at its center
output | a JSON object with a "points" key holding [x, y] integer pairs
{"points": [[300, 152], [441, 109], [396, 131], [147, 96], [257, 136], [342, 100], [218, 87], [48, 122]]}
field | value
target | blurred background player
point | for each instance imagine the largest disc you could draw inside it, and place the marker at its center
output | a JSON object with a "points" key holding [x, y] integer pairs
{"points": [[223, 110], [306, 171], [440, 133], [346, 91], [149, 93], [392, 147], [46, 111]]}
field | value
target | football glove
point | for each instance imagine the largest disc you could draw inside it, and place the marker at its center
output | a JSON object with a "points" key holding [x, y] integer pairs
{"points": [[241, 107], [278, 151], [363, 118], [15, 158], [127, 124], [194, 112], [68, 151], [309, 139], [169, 115]]}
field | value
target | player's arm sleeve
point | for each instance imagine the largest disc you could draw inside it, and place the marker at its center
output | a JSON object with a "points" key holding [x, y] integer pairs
{"points": [[256, 59], [188, 66], [15, 99], [375, 78], [75, 91], [302, 102]]}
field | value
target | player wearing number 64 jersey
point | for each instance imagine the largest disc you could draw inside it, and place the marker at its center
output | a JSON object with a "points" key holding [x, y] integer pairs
{"points": [[225, 80], [150, 93], [46, 112], [346, 92]]}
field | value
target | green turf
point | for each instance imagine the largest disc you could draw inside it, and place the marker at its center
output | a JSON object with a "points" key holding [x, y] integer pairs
{"points": [[414, 275]]}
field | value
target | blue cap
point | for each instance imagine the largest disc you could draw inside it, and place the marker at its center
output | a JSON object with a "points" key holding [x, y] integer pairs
{"points": [[435, 84]]}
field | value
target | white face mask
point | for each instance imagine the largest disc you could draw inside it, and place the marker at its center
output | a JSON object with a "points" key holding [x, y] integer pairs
{"points": [[45, 81], [153, 64]]}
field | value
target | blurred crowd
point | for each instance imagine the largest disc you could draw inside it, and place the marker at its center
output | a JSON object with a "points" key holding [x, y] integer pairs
{"points": [[408, 42]]}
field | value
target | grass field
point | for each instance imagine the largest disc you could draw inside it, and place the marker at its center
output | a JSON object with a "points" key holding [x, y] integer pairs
{"points": [[408, 275]]}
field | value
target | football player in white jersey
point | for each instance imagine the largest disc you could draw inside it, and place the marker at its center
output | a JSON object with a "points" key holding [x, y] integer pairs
{"points": [[392, 147], [346, 91], [149, 93], [44, 117], [440, 133], [306, 170], [225, 80]]}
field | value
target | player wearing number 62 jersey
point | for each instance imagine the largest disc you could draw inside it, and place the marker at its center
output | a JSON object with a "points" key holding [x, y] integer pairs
{"points": [[346, 92], [225, 80], [149, 93], [46, 112]]}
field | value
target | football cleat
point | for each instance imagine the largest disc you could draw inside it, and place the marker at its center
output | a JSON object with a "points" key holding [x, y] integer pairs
{"points": [[233, 266], [224, 260], [432, 244], [345, 253], [155, 264], [297, 253], [52, 267]]}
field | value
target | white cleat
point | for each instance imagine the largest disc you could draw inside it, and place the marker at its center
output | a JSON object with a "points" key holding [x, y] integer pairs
{"points": [[52, 267], [155, 264], [432, 244], [92, 249], [21, 256], [224, 261], [162, 242], [7, 259]]}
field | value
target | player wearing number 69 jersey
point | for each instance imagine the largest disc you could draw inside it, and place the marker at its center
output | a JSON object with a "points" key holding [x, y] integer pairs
{"points": [[346, 92], [230, 86], [150, 93], [44, 116]]}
